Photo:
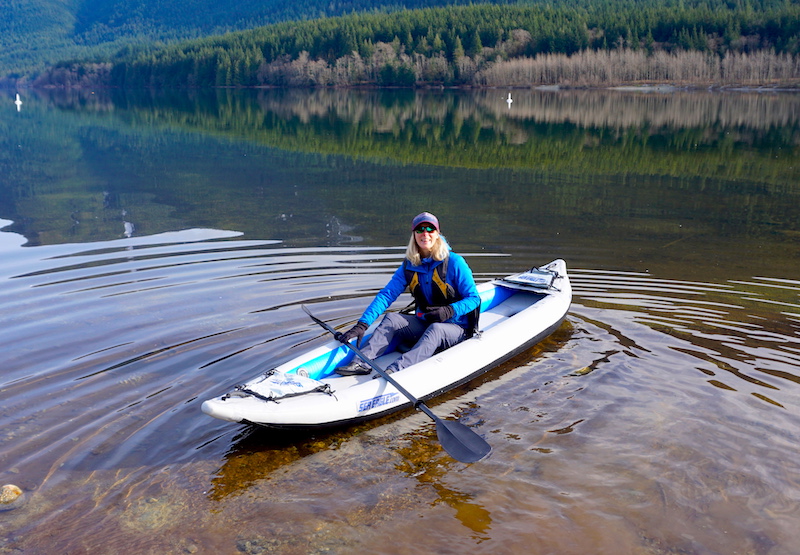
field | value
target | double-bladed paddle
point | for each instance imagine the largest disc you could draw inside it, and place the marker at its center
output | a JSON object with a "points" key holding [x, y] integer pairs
{"points": [[458, 440]]}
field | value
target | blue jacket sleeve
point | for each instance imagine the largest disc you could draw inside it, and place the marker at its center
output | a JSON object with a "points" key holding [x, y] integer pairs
{"points": [[385, 297]]}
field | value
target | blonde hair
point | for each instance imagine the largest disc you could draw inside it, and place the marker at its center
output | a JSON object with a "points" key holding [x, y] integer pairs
{"points": [[439, 251]]}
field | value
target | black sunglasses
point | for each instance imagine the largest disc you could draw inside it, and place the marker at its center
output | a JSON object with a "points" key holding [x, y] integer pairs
{"points": [[425, 229]]}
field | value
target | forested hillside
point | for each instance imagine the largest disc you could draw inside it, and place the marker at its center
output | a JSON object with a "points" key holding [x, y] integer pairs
{"points": [[574, 43], [35, 33]]}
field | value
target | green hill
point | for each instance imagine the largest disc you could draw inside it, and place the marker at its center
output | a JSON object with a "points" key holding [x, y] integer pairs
{"points": [[606, 43], [38, 33], [189, 42]]}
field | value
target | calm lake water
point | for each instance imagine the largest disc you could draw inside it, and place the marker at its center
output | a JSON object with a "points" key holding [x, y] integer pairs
{"points": [[156, 249]]}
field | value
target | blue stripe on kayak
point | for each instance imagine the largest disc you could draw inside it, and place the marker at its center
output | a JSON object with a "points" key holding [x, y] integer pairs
{"points": [[493, 297]]}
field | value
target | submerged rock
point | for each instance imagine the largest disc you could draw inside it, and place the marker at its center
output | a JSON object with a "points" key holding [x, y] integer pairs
{"points": [[10, 497]]}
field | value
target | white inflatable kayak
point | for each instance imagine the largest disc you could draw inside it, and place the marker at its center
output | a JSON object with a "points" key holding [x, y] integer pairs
{"points": [[517, 312]]}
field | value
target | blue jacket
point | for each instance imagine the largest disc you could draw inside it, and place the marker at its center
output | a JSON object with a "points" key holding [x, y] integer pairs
{"points": [[459, 275]]}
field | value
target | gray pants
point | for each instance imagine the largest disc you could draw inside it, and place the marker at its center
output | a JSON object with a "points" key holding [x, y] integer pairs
{"points": [[428, 339]]}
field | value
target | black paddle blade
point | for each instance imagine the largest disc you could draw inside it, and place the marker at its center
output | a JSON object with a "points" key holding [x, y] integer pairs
{"points": [[461, 442]]}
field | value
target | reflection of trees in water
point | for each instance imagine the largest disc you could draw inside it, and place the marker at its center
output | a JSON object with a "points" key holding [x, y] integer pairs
{"points": [[619, 131], [601, 160], [584, 108], [388, 110], [743, 136], [647, 108], [720, 135], [623, 109]]}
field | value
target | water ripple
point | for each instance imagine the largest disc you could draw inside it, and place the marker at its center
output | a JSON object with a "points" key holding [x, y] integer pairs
{"points": [[112, 347]]}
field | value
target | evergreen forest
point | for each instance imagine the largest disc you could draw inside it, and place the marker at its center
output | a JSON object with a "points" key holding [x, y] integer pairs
{"points": [[528, 43], [35, 34]]}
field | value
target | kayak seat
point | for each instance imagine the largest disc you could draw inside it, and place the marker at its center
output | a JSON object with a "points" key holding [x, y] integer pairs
{"points": [[510, 306]]}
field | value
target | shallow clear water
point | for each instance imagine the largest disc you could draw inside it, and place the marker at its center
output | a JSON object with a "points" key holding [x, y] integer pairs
{"points": [[662, 417]]}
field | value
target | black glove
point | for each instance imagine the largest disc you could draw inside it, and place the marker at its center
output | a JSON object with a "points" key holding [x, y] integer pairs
{"points": [[438, 313], [356, 331]]}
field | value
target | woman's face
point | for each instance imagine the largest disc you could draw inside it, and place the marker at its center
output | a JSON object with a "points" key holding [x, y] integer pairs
{"points": [[426, 236]]}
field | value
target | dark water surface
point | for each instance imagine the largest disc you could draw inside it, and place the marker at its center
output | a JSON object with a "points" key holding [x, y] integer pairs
{"points": [[155, 250]]}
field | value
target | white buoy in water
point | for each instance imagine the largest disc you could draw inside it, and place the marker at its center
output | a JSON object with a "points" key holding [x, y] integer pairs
{"points": [[18, 102], [509, 100]]}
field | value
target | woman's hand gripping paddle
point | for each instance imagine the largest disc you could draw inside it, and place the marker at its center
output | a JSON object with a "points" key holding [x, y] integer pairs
{"points": [[458, 440]]}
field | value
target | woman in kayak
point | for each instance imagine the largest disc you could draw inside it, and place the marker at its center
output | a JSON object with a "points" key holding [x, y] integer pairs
{"points": [[447, 303]]}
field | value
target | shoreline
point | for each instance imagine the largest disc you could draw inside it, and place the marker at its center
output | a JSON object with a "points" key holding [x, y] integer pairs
{"points": [[663, 88]]}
